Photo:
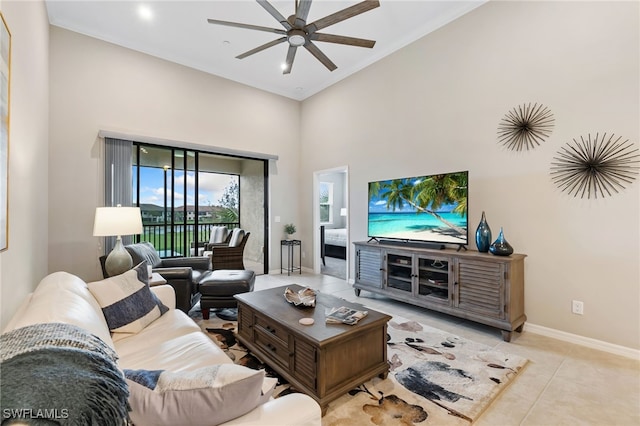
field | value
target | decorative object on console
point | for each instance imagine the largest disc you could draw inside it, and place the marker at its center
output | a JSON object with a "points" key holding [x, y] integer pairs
{"points": [[289, 229], [483, 235], [117, 221], [500, 246], [602, 165], [525, 127]]}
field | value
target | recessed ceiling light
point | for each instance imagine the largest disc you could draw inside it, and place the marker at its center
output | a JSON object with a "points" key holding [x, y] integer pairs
{"points": [[145, 12]]}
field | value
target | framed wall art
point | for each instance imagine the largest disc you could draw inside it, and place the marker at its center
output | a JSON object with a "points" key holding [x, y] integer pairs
{"points": [[5, 81]]}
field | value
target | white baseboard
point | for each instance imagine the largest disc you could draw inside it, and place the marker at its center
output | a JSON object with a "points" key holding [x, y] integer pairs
{"points": [[584, 341]]}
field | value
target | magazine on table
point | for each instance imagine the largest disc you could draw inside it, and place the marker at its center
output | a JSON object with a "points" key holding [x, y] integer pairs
{"points": [[344, 315]]}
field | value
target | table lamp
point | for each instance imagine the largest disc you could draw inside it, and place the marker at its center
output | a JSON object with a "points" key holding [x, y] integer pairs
{"points": [[117, 221]]}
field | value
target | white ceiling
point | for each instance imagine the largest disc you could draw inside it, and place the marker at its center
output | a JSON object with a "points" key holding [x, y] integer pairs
{"points": [[178, 31]]}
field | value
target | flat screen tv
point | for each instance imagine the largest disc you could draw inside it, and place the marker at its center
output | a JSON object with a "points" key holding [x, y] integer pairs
{"points": [[429, 209]]}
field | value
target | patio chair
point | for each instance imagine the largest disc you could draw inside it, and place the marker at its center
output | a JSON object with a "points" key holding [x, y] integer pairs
{"points": [[228, 255]]}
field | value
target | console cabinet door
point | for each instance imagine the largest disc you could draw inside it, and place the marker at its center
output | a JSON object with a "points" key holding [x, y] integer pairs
{"points": [[369, 266], [479, 287], [433, 279], [399, 272]]}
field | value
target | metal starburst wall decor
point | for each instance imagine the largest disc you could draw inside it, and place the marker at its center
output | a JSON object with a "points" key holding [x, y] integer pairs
{"points": [[525, 126], [595, 167]]}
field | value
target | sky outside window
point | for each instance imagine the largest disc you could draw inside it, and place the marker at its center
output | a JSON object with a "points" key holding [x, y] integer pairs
{"points": [[211, 187]]}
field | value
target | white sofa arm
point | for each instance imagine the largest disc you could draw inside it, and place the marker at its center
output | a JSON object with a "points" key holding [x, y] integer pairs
{"points": [[166, 294], [19, 313], [294, 409]]}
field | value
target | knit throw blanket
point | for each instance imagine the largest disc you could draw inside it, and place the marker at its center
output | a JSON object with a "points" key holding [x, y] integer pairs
{"points": [[58, 373]]}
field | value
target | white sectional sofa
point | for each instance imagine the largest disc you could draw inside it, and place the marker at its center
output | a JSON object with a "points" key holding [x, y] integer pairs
{"points": [[172, 342]]}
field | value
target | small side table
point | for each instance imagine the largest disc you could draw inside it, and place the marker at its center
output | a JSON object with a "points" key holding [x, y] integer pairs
{"points": [[156, 279], [290, 245]]}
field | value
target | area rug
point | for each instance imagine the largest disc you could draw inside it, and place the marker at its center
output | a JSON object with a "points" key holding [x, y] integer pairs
{"points": [[434, 378]]}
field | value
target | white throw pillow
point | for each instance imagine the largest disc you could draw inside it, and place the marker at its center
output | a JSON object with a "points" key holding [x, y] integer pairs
{"points": [[218, 234], [206, 396], [236, 237], [127, 302]]}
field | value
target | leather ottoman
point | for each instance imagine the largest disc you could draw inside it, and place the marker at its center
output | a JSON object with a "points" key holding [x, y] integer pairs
{"points": [[217, 288]]}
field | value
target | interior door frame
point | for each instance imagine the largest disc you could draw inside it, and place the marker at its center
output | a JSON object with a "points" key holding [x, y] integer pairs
{"points": [[316, 217]]}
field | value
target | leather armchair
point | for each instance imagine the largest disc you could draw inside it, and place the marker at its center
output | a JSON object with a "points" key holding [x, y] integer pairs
{"points": [[181, 273]]}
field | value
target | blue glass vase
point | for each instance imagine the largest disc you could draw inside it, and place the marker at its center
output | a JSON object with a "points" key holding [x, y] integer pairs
{"points": [[501, 247], [483, 235]]}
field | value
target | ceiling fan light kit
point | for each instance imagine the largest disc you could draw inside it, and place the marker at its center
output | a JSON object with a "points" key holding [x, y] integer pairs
{"points": [[296, 38], [298, 33]]}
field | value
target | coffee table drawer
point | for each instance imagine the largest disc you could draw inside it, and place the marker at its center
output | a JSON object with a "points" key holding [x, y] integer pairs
{"points": [[265, 324], [273, 347]]}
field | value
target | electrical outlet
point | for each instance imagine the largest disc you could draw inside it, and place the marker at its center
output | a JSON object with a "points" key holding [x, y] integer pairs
{"points": [[577, 307]]}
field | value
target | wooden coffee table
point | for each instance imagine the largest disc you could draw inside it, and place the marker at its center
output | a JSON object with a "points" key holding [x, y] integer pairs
{"points": [[322, 360]]}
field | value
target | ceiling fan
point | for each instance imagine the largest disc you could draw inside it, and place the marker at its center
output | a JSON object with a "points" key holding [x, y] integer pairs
{"points": [[298, 33]]}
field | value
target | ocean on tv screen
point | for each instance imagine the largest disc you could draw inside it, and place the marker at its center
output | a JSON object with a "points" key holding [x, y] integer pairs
{"points": [[418, 226]]}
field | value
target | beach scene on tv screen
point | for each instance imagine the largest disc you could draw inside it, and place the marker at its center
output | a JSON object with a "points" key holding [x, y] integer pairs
{"points": [[423, 208]]}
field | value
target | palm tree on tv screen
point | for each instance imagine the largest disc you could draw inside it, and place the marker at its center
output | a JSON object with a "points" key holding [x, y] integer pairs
{"points": [[427, 195]]}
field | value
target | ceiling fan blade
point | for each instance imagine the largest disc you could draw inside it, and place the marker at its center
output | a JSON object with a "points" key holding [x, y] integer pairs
{"points": [[351, 41], [302, 11], [291, 54], [246, 26], [261, 48], [274, 12], [341, 15], [313, 49]]}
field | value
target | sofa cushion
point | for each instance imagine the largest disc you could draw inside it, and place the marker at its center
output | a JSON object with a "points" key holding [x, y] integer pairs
{"points": [[184, 352], [63, 297], [127, 302], [207, 396]]}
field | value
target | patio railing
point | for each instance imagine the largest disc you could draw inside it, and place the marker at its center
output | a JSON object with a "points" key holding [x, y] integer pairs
{"points": [[179, 240]]}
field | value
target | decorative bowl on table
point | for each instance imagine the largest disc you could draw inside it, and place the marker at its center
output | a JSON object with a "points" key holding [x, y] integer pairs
{"points": [[305, 298]]}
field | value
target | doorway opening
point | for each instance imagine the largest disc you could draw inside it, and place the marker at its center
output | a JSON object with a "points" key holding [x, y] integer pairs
{"points": [[331, 222], [183, 193]]}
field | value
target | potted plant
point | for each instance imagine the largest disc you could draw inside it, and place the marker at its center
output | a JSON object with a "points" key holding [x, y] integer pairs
{"points": [[289, 229]]}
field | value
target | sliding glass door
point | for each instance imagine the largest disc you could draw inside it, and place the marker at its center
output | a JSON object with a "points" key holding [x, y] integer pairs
{"points": [[182, 193]]}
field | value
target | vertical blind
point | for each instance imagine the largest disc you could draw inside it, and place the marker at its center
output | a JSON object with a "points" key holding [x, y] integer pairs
{"points": [[118, 180]]}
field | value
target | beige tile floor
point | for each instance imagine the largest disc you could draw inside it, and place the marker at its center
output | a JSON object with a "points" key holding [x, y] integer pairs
{"points": [[563, 383]]}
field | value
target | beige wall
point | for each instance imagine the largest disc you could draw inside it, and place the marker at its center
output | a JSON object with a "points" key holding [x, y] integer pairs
{"points": [[435, 105], [98, 85], [25, 262]]}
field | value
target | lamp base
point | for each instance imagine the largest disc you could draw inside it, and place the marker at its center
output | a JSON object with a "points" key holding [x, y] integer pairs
{"points": [[119, 260]]}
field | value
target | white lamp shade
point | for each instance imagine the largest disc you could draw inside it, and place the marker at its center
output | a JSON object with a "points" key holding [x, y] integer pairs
{"points": [[112, 221]]}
